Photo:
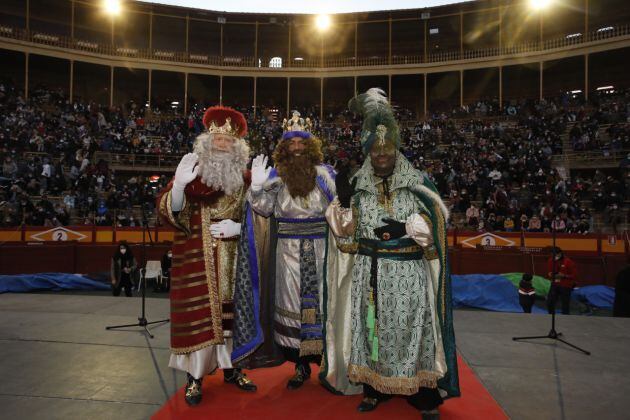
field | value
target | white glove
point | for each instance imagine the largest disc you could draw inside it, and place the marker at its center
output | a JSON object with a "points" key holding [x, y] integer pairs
{"points": [[419, 230], [186, 172], [260, 172], [225, 229]]}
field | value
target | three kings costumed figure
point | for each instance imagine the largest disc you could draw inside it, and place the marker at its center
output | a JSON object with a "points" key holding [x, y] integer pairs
{"points": [[392, 218], [204, 204], [294, 197]]}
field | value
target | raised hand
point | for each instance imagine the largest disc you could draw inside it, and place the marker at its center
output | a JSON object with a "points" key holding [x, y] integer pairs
{"points": [[187, 171], [260, 171], [345, 190]]}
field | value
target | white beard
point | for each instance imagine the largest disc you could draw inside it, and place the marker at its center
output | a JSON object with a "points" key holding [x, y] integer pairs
{"points": [[220, 170]]}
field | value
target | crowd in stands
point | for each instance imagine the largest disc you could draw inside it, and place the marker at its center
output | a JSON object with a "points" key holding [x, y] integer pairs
{"points": [[492, 163]]}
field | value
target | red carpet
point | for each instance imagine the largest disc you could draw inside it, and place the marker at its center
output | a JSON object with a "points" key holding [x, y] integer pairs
{"points": [[273, 401]]}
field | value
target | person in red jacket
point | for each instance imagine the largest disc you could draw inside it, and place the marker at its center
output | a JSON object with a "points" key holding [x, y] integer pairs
{"points": [[562, 273]]}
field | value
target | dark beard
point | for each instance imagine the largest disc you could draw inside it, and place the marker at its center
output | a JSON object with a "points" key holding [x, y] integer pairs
{"points": [[298, 173]]}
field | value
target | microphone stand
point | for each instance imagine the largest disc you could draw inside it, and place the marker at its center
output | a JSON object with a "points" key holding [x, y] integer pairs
{"points": [[553, 334], [142, 319]]}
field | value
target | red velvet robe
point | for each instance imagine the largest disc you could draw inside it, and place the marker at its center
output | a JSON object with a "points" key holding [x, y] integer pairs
{"points": [[202, 274]]}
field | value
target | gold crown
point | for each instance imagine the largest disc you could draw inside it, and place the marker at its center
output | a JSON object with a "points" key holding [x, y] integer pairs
{"points": [[224, 129], [297, 123]]}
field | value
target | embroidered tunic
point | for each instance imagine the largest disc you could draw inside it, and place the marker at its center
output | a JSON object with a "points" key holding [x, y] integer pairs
{"points": [[398, 348], [202, 274], [299, 258]]}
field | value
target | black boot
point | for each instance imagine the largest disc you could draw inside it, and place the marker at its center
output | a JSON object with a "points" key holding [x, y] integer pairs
{"points": [[302, 373], [193, 390], [238, 378], [368, 404]]}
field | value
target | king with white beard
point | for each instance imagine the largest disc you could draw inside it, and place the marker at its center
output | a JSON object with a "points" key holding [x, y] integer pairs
{"points": [[204, 205]]}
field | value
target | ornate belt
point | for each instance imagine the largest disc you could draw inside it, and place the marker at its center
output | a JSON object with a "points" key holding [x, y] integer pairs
{"points": [[313, 228]]}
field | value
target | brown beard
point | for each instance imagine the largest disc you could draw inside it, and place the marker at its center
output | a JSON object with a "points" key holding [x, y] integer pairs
{"points": [[298, 172]]}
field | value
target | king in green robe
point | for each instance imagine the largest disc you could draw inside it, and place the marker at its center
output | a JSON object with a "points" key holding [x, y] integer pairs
{"points": [[390, 216]]}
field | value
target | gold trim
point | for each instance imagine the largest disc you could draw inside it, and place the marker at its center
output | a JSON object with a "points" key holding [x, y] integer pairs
{"points": [[193, 251], [191, 275], [187, 285], [430, 253], [288, 314], [200, 330], [191, 308], [188, 261], [208, 251], [189, 300], [190, 324], [227, 316], [351, 248], [308, 316], [311, 347], [393, 385]]}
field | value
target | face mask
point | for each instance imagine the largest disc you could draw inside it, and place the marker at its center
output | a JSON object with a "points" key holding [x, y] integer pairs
{"points": [[123, 251], [170, 255]]}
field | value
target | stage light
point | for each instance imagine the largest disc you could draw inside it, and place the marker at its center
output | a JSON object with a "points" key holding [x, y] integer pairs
{"points": [[112, 7], [322, 22], [539, 4]]}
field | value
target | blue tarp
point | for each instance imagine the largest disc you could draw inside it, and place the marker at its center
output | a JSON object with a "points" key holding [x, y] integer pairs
{"points": [[597, 296], [492, 292], [48, 281]]}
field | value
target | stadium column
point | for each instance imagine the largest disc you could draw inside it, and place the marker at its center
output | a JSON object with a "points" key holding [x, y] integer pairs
{"points": [[187, 35], [256, 45], [424, 92], [111, 86], [71, 80], [461, 38], [150, 31], [26, 76], [28, 16], [540, 88], [500, 27], [389, 57], [586, 86], [255, 94], [356, 47], [501, 87], [149, 90], [425, 48], [288, 96], [290, 35], [355, 86], [461, 88], [321, 99], [221, 87], [186, 93], [389, 87], [72, 20]]}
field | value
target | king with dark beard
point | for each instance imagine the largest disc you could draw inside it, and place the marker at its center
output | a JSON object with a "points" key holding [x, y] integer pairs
{"points": [[295, 194], [204, 205]]}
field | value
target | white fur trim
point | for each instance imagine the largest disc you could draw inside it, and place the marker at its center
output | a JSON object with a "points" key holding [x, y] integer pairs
{"points": [[330, 182], [435, 197]]}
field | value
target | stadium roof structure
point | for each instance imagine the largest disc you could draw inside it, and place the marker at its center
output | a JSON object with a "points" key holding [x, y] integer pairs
{"points": [[305, 6]]}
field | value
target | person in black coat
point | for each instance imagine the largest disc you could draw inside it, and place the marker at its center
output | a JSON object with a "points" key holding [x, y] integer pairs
{"points": [[167, 262], [526, 293]]}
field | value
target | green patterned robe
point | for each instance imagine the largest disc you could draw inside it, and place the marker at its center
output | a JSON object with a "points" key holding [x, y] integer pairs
{"points": [[414, 326]]}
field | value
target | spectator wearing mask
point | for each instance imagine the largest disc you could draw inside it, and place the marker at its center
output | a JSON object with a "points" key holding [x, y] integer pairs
{"points": [[123, 270]]}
